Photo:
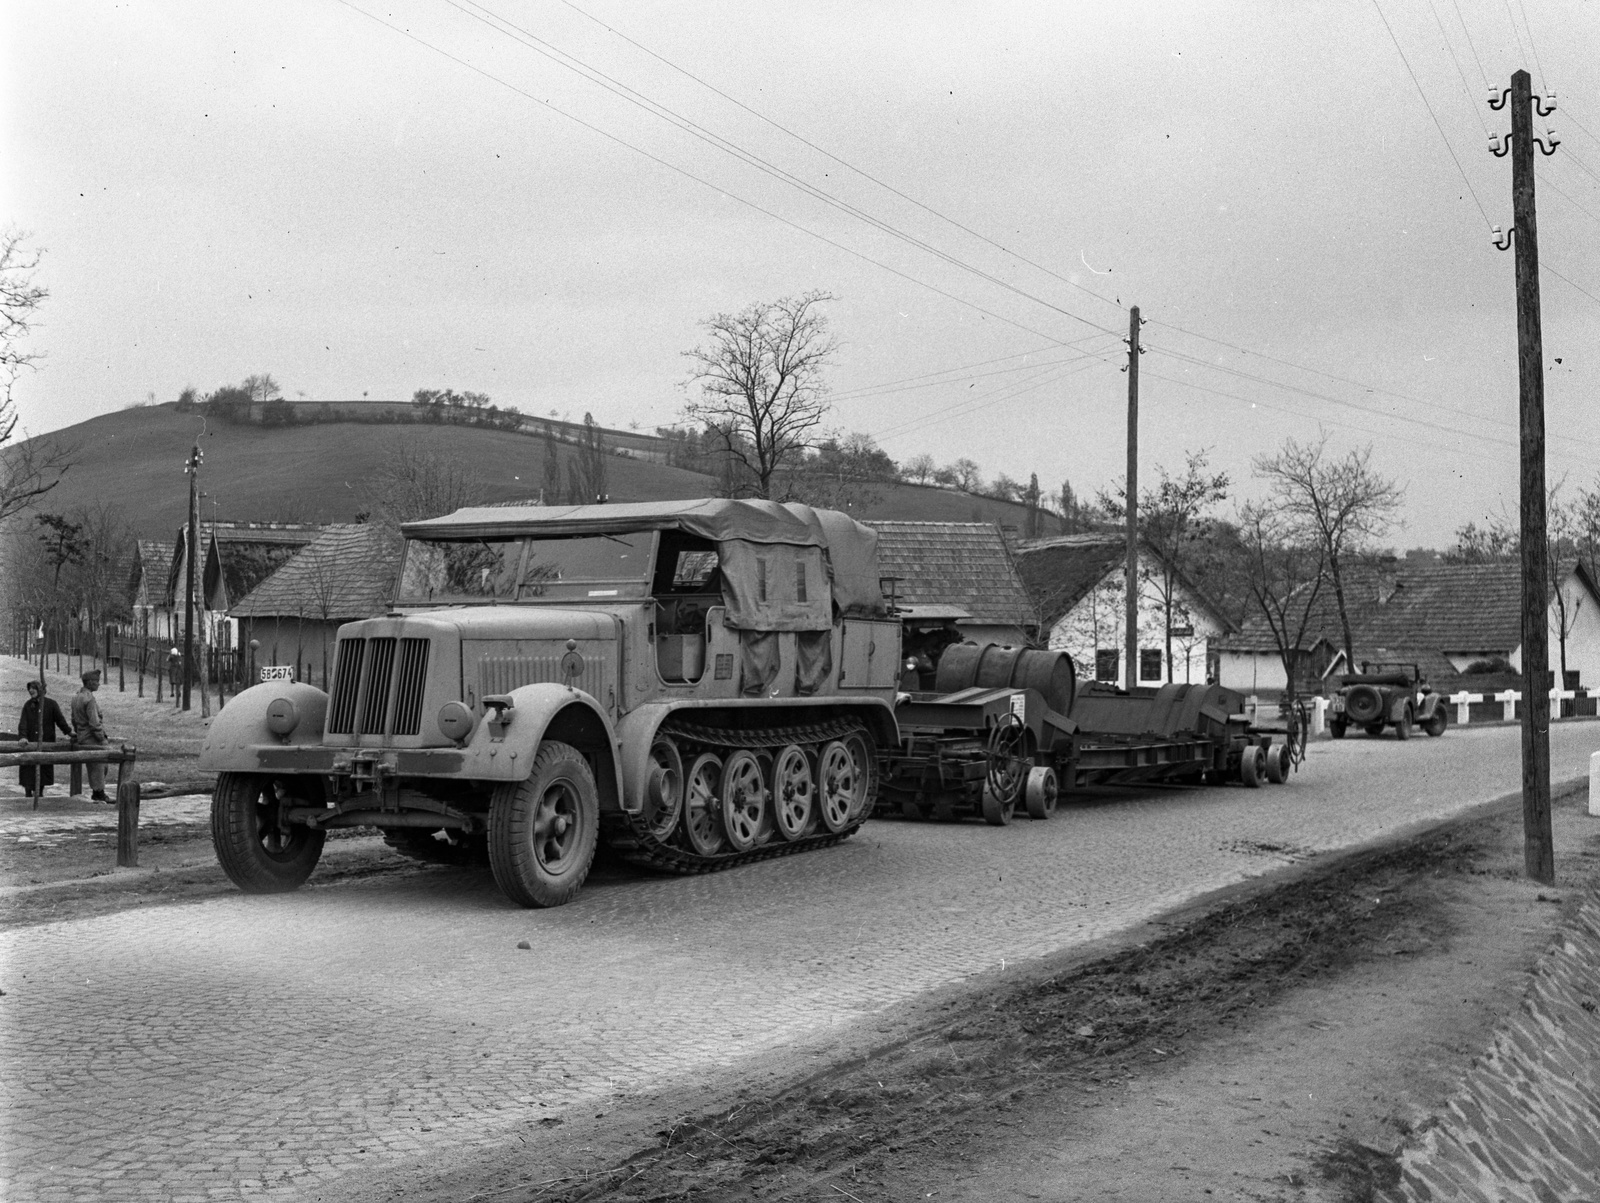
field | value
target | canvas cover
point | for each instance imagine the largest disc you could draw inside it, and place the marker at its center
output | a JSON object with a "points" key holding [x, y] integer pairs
{"points": [[835, 555]]}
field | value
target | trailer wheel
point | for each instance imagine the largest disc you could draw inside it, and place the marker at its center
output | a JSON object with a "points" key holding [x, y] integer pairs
{"points": [[1278, 763], [1253, 765], [1437, 722], [1042, 793], [543, 831], [995, 812], [259, 854]]}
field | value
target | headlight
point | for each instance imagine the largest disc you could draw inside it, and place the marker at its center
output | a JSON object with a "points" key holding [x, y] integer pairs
{"points": [[456, 721], [282, 717]]}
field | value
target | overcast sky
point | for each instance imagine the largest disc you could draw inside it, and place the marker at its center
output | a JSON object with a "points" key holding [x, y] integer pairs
{"points": [[366, 198]]}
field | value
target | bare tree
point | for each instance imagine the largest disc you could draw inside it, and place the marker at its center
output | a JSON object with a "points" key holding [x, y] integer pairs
{"points": [[919, 468], [1173, 520], [966, 475], [1284, 573], [760, 374], [413, 483], [1342, 505], [32, 468]]}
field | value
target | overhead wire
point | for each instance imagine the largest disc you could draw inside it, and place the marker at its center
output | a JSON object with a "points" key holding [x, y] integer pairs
{"points": [[1426, 104], [1465, 87], [570, 62], [845, 163], [623, 142], [914, 383], [1468, 34]]}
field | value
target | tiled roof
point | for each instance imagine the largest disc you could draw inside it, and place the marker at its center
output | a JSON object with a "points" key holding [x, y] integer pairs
{"points": [[1059, 573], [962, 564], [1461, 608], [346, 572]]}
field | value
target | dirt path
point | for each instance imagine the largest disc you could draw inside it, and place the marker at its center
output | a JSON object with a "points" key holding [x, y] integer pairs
{"points": [[1276, 1042]]}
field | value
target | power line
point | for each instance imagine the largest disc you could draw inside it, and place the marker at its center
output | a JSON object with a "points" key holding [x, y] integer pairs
{"points": [[1470, 46], [1515, 33], [1562, 193], [1465, 87], [1544, 82], [1546, 266], [948, 376], [972, 405], [617, 88], [1432, 114], [689, 175], [909, 199]]}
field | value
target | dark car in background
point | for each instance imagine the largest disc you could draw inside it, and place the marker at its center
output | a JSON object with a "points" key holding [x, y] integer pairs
{"points": [[1385, 695]]}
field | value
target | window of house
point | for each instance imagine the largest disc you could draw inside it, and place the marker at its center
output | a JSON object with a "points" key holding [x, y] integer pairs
{"points": [[1149, 664], [1105, 664]]}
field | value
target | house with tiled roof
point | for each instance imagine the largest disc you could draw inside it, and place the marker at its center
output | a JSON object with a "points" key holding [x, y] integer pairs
{"points": [[148, 595], [960, 573], [1077, 583], [1446, 618], [233, 557], [347, 572]]}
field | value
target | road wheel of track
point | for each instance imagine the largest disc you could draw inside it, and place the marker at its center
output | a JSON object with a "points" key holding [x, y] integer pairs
{"points": [[663, 789], [259, 854], [838, 787], [543, 831], [865, 758], [744, 800], [1278, 763], [1253, 765], [1437, 722], [794, 792], [702, 805], [1336, 729], [421, 844], [1375, 729], [995, 812], [1402, 729], [1042, 793]]}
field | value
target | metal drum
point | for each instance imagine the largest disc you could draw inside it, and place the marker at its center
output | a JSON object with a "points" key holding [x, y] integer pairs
{"points": [[991, 666]]}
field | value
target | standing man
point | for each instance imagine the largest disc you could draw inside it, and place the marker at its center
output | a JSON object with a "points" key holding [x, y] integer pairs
{"points": [[88, 731]]}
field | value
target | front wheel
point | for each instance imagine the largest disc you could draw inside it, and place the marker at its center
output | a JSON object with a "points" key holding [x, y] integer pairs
{"points": [[543, 831], [1437, 721], [1402, 729], [260, 853]]}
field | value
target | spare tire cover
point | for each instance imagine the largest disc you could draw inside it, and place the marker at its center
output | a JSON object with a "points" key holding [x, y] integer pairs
{"points": [[1363, 704]]}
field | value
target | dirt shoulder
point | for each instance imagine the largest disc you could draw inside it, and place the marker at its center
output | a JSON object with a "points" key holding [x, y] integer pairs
{"points": [[1276, 1041]]}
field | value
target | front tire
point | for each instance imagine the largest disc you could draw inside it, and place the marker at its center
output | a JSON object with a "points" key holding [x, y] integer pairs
{"points": [[543, 831], [1402, 729], [1437, 721], [260, 854]]}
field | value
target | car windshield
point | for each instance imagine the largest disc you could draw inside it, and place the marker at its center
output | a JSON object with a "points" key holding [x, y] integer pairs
{"points": [[506, 569]]}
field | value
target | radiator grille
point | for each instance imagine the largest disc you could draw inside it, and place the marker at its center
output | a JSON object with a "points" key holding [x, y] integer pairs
{"points": [[410, 677], [375, 698], [346, 683]]}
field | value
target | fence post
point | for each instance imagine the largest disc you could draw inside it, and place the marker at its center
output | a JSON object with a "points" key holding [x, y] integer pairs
{"points": [[76, 775], [1508, 699], [127, 824]]}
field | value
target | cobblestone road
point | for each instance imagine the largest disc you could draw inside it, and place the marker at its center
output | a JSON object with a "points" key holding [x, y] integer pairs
{"points": [[267, 1047]]}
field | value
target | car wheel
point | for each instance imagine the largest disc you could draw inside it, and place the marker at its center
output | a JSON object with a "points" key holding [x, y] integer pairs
{"points": [[1402, 729], [543, 831], [1437, 722], [258, 851]]}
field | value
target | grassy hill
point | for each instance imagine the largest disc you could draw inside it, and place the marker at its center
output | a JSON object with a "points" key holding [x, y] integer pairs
{"points": [[325, 473]]}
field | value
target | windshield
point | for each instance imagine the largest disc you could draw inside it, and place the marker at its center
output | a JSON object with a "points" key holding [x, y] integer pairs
{"points": [[598, 566]]}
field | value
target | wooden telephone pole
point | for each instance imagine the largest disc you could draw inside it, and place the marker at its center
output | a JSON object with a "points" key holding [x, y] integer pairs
{"points": [[1539, 844], [1131, 635], [190, 538]]}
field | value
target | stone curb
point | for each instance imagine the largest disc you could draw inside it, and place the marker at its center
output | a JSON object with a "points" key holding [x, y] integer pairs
{"points": [[1524, 1125]]}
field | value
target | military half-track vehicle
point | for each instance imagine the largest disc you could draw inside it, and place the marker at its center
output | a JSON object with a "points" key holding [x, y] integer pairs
{"points": [[698, 683], [1383, 695]]}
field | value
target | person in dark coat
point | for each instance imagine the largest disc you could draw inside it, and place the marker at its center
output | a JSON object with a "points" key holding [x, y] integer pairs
{"points": [[41, 719]]}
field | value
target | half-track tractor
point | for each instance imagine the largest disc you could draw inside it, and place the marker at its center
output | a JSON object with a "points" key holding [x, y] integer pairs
{"points": [[699, 683]]}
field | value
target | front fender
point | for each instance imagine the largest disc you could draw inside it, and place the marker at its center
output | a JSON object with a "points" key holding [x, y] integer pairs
{"points": [[239, 731], [1430, 703], [1400, 707], [495, 753]]}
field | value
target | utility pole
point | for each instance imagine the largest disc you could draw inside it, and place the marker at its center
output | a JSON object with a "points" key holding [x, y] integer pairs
{"points": [[1131, 634], [192, 468], [1539, 843]]}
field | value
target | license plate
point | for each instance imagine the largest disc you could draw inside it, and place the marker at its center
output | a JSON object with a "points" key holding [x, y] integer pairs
{"points": [[278, 672]]}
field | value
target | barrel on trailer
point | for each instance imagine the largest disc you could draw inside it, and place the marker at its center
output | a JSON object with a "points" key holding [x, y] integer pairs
{"points": [[990, 666]]}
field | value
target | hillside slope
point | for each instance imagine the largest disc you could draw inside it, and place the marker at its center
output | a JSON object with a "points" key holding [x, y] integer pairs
{"points": [[325, 473]]}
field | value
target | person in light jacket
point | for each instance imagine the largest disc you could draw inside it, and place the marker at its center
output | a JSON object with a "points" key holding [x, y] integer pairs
{"points": [[89, 731], [41, 719]]}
